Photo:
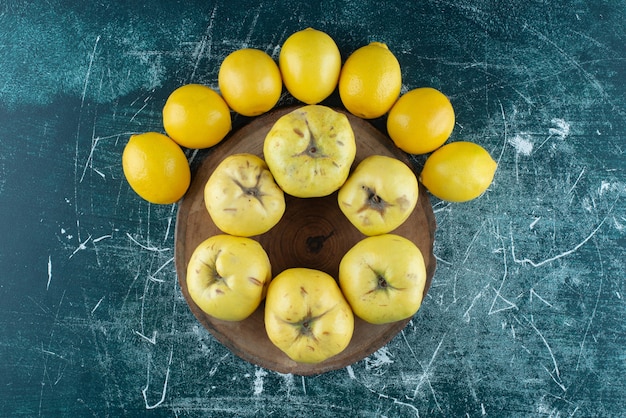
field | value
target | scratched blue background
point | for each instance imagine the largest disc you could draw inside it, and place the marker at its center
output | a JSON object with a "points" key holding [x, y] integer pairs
{"points": [[526, 314]]}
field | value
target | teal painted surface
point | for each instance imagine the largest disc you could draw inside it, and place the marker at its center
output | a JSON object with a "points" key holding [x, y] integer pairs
{"points": [[526, 315]]}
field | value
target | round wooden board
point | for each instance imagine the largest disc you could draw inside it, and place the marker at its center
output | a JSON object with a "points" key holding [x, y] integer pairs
{"points": [[313, 233]]}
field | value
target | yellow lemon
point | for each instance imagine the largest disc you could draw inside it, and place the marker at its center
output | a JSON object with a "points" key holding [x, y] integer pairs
{"points": [[156, 168], [195, 116], [310, 64], [250, 81], [458, 171], [421, 120], [370, 81]]}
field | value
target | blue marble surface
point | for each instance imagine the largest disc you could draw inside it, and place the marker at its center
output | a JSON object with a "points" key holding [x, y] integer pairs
{"points": [[526, 314]]}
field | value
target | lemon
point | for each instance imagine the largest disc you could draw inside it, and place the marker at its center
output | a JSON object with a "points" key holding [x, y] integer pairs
{"points": [[195, 116], [370, 81], [421, 120], [310, 64], [458, 171], [250, 81], [156, 168]]}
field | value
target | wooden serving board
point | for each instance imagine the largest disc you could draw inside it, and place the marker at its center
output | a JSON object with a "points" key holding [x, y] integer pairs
{"points": [[313, 233]]}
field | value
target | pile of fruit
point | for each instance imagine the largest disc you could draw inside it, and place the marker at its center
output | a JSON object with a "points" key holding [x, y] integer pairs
{"points": [[309, 152]]}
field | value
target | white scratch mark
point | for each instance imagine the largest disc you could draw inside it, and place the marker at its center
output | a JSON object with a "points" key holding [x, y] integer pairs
{"points": [[303, 385], [169, 222], [93, 54], [100, 173], [508, 303], [52, 353], [81, 246], [577, 180], [558, 382], [94, 144], [544, 141], [472, 241], [556, 257], [49, 272], [192, 157], [259, 374], [150, 340], [144, 391], [151, 276], [206, 42], [532, 292], [446, 206], [43, 383], [350, 371], [498, 296], [407, 344], [534, 222], [395, 400], [505, 132], [562, 131], [255, 19], [97, 305], [215, 367], [77, 219], [426, 371], [556, 366], [138, 112], [143, 306], [288, 381], [96, 240], [591, 318], [145, 247], [454, 298], [466, 315], [441, 260]]}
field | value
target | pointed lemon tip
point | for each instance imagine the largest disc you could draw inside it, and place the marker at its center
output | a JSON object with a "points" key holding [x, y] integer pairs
{"points": [[379, 44]]}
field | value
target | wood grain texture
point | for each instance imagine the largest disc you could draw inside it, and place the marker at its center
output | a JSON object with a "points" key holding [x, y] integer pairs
{"points": [[313, 233]]}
